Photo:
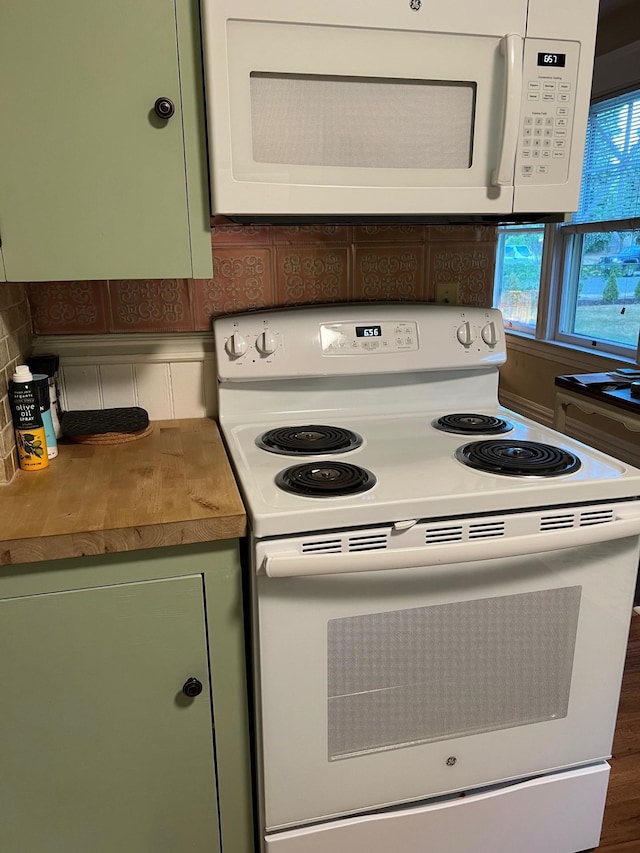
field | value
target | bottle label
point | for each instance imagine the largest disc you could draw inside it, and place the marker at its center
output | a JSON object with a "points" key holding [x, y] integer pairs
{"points": [[26, 408], [32, 449], [31, 442]]}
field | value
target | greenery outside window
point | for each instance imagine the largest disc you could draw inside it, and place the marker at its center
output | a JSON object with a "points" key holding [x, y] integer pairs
{"points": [[600, 303], [587, 293], [517, 280]]}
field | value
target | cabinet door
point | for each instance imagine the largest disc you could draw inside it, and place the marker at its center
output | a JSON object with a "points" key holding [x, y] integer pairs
{"points": [[92, 182], [100, 749]]}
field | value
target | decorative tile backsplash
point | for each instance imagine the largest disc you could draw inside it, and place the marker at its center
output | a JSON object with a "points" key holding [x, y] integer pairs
{"points": [[260, 266], [15, 343]]}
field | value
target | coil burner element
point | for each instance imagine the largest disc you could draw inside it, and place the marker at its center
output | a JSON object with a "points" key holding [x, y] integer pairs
{"points": [[467, 424], [325, 479], [308, 440], [518, 458]]}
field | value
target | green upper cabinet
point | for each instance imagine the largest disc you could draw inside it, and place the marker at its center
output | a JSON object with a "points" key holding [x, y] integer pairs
{"points": [[93, 184]]}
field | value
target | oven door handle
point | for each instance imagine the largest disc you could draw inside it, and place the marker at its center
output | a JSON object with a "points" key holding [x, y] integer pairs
{"points": [[289, 565]]}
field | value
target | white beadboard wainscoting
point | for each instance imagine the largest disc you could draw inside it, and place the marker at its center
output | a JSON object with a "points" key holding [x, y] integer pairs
{"points": [[171, 376], [626, 450]]}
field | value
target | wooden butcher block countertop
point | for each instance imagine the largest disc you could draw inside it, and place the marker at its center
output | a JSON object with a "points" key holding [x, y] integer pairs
{"points": [[173, 487]]}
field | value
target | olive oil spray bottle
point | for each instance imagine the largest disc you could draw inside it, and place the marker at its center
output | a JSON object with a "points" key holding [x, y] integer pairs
{"points": [[27, 420]]}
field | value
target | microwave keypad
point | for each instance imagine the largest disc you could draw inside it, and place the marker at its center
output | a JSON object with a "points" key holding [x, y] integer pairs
{"points": [[546, 125]]}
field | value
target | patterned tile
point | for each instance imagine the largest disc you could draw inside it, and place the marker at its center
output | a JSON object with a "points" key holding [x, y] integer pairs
{"points": [[310, 275], [262, 266], [242, 281], [240, 235], [461, 273], [69, 307], [466, 233], [150, 305], [311, 235], [388, 272], [388, 233]]}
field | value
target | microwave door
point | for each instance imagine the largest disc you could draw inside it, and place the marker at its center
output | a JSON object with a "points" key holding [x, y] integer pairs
{"points": [[321, 120]]}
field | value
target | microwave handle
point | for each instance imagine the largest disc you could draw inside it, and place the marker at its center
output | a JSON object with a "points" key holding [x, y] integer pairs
{"points": [[289, 565], [511, 47]]}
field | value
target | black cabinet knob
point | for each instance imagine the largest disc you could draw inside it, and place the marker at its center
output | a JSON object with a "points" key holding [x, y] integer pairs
{"points": [[164, 108], [192, 687]]}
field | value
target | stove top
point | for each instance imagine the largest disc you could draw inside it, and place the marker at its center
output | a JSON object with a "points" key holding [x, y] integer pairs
{"points": [[368, 395], [416, 473]]}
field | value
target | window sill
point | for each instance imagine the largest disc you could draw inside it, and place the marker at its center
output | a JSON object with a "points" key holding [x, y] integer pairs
{"points": [[574, 359]]}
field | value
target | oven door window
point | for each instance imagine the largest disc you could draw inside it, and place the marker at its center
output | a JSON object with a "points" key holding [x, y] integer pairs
{"points": [[384, 687], [423, 674]]}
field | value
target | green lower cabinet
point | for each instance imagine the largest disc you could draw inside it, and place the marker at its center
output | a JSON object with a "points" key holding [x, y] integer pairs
{"points": [[101, 749]]}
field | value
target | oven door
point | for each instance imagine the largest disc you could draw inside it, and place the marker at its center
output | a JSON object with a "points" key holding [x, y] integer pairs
{"points": [[337, 108], [381, 687]]}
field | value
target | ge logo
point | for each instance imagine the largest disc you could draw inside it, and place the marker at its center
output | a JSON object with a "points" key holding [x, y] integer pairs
{"points": [[415, 4], [452, 759]]}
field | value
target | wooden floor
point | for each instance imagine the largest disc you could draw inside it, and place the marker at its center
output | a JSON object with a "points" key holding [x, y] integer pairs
{"points": [[621, 830]]}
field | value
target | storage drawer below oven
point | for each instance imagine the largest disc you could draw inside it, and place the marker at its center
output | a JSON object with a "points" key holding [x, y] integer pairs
{"points": [[557, 813]]}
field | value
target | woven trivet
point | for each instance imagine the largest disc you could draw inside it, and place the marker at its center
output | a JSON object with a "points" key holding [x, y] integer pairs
{"points": [[130, 419], [111, 437]]}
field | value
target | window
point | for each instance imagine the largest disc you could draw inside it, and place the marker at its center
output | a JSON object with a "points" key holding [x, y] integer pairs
{"points": [[587, 272], [517, 282]]}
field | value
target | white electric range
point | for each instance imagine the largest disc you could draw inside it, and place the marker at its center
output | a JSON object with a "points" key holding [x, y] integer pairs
{"points": [[441, 588]]}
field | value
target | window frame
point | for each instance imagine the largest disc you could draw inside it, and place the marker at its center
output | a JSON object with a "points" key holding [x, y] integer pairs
{"points": [[562, 290]]}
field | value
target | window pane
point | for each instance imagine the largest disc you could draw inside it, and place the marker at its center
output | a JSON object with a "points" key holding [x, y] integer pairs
{"points": [[603, 305], [611, 173], [517, 281]]}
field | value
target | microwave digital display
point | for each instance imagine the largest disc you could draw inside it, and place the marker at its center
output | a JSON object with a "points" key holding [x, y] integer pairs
{"points": [[368, 331], [552, 60]]}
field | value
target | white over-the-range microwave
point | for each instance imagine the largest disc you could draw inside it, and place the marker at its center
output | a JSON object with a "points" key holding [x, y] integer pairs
{"points": [[424, 109]]}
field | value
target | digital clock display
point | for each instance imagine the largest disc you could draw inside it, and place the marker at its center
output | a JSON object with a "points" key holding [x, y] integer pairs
{"points": [[552, 60], [368, 331]]}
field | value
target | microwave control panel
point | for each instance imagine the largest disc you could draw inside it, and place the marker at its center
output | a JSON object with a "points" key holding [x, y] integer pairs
{"points": [[550, 74]]}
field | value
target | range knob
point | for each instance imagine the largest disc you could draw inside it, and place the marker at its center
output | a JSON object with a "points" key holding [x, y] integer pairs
{"points": [[490, 334], [236, 345], [266, 343], [465, 334]]}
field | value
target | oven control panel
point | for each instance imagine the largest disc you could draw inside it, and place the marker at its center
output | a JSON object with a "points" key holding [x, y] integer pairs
{"points": [[334, 340], [368, 338]]}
